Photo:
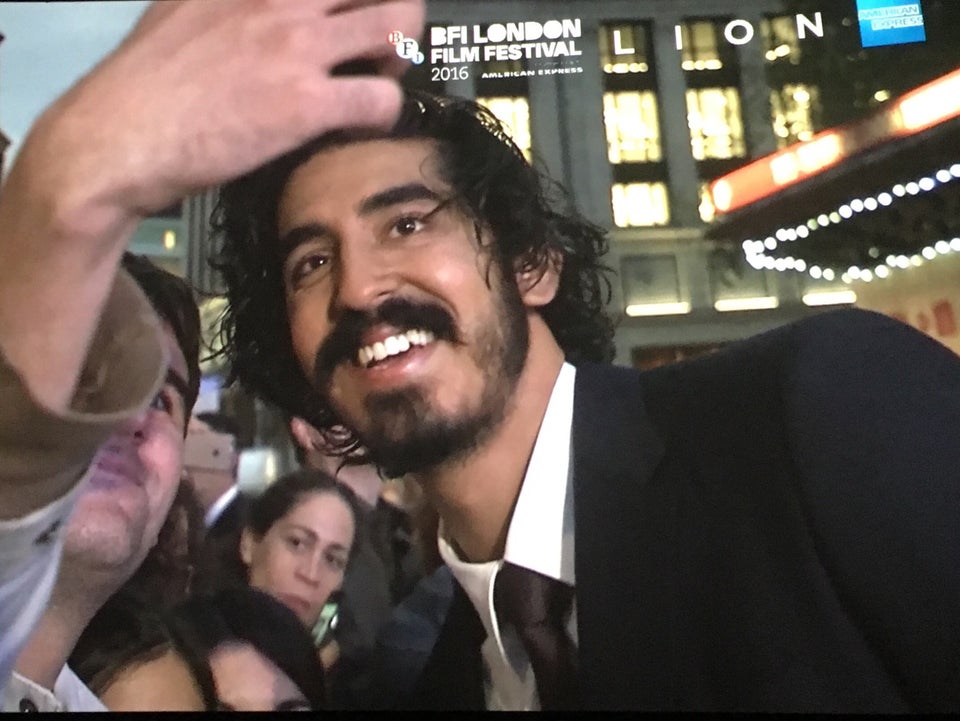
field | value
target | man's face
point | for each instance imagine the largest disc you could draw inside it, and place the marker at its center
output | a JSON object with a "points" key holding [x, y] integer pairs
{"points": [[134, 480], [397, 314]]}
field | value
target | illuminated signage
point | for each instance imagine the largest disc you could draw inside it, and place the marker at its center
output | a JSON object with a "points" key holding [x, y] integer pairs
{"points": [[740, 32], [767, 175], [890, 22], [929, 104], [922, 108], [549, 47], [552, 45]]}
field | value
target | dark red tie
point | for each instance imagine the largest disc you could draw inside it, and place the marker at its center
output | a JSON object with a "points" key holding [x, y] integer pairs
{"points": [[537, 607]]}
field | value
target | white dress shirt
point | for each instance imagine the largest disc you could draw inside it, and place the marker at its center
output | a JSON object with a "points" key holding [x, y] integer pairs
{"points": [[540, 537]]}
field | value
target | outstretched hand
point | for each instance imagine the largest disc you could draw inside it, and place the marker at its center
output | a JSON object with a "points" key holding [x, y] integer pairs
{"points": [[204, 90], [201, 91]]}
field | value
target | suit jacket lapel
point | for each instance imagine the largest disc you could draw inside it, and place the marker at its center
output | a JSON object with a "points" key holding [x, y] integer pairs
{"points": [[624, 527], [453, 676]]}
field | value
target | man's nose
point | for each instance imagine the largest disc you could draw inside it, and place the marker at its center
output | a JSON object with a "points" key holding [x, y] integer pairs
{"points": [[135, 425], [365, 277]]}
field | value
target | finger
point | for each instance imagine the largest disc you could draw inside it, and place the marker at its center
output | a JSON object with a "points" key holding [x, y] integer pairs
{"points": [[347, 5], [393, 66], [362, 101], [363, 33]]}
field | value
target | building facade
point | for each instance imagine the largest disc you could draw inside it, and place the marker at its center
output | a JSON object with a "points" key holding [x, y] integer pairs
{"points": [[661, 98]]}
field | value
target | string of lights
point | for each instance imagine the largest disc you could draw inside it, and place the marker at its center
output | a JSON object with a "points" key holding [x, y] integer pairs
{"points": [[766, 254]]}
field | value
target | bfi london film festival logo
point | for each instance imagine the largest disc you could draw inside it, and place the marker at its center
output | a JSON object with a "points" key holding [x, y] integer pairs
{"points": [[890, 22], [407, 48], [549, 47]]}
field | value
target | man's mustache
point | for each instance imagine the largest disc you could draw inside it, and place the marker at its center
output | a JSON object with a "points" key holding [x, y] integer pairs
{"points": [[347, 336]]}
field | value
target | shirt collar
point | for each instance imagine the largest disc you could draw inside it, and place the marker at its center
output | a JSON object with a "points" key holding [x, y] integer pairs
{"points": [[540, 535]]}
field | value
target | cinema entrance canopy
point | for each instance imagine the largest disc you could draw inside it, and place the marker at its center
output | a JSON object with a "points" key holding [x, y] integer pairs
{"points": [[857, 201]]}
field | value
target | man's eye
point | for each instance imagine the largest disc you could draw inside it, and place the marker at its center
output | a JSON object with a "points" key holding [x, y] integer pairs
{"points": [[408, 225], [161, 402], [308, 265]]}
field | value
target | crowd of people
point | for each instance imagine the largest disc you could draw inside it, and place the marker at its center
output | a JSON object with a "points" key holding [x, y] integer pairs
{"points": [[177, 592], [772, 527]]}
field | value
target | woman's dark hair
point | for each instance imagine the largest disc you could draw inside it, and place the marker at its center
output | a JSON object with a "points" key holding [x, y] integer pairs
{"points": [[526, 214], [222, 566], [245, 615], [289, 490], [127, 631]]}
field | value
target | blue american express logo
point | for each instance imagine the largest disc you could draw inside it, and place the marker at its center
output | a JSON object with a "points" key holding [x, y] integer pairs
{"points": [[890, 22]]}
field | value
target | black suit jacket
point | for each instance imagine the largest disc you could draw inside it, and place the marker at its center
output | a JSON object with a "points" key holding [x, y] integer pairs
{"points": [[774, 527]]}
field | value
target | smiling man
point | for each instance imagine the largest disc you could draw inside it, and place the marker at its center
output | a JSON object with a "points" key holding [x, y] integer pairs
{"points": [[119, 511], [770, 528]]}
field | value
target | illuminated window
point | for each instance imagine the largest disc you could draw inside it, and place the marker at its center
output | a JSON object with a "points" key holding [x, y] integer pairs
{"points": [[633, 128], [631, 117], [707, 209], [794, 108], [780, 40], [514, 113], [700, 50], [716, 125], [640, 204], [623, 49]]}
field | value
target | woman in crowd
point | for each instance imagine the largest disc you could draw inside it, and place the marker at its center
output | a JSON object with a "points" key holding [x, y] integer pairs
{"points": [[261, 656], [295, 544]]}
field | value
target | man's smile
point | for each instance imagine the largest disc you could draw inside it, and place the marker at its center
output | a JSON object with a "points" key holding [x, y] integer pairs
{"points": [[392, 345]]}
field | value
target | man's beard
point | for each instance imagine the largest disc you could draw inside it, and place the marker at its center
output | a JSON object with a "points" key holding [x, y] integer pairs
{"points": [[405, 434]]}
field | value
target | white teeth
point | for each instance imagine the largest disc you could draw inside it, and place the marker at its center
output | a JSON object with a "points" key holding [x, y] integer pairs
{"points": [[393, 345]]}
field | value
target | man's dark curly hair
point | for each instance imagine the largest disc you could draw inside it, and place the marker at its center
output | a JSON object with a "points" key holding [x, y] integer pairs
{"points": [[520, 208], [173, 300]]}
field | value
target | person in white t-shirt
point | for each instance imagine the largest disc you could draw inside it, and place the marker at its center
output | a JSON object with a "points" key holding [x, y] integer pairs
{"points": [[81, 351], [119, 510]]}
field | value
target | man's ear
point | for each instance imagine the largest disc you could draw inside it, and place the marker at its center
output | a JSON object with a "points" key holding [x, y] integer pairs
{"points": [[247, 544], [307, 437], [538, 284]]}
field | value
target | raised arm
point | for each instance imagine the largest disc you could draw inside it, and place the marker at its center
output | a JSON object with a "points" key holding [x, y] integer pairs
{"points": [[201, 91]]}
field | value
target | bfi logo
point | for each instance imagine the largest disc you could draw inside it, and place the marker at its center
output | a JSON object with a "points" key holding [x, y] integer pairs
{"points": [[407, 48]]}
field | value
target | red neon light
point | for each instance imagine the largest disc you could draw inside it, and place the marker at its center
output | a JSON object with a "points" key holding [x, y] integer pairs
{"points": [[918, 110]]}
